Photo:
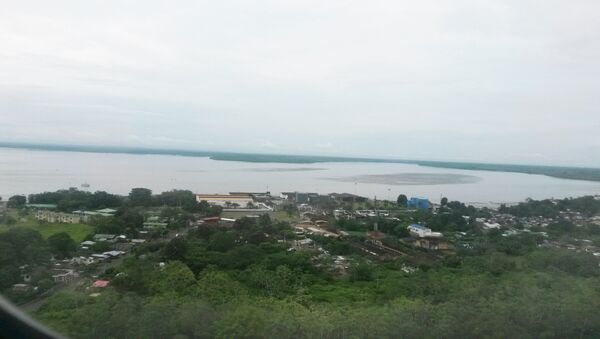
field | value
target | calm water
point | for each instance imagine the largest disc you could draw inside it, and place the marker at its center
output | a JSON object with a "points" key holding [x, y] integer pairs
{"points": [[25, 172]]}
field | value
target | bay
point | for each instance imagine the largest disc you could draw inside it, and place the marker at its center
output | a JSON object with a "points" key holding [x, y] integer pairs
{"points": [[31, 171]]}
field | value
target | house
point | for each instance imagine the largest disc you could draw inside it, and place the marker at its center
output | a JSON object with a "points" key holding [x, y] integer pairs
{"points": [[21, 287], [434, 244], [490, 225], [82, 260], [64, 275], [57, 217], [3, 205], [226, 200], [303, 243], [41, 206], [113, 254], [100, 283], [105, 237], [87, 243], [155, 226], [419, 231], [419, 203], [107, 211]]}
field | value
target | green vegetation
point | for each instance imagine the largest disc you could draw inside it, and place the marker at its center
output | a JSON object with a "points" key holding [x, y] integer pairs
{"points": [[78, 232], [244, 281]]}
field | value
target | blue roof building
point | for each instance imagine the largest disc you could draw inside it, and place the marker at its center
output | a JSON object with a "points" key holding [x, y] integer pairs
{"points": [[420, 203]]}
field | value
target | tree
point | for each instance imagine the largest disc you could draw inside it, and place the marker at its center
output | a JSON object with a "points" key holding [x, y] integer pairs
{"points": [[62, 245], [444, 201], [17, 201], [140, 197], [129, 218], [361, 271], [221, 242], [174, 277], [402, 200], [176, 249], [44, 284]]}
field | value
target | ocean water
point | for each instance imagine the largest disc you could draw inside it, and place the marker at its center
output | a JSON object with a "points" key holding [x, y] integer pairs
{"points": [[31, 171]]}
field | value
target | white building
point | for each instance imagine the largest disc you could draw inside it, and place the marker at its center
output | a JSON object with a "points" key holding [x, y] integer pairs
{"points": [[57, 217], [423, 232], [226, 200]]}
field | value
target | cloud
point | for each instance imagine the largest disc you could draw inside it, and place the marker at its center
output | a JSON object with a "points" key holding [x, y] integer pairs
{"points": [[466, 80]]}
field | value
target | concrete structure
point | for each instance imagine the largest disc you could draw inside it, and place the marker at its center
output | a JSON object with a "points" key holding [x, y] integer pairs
{"points": [[420, 203], [64, 276], [419, 231], [226, 200], [57, 217]]}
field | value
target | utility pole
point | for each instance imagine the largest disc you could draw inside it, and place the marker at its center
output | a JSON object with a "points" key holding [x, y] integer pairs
{"points": [[376, 226]]}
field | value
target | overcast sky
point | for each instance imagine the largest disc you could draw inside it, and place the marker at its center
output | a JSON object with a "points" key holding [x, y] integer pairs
{"points": [[493, 81]]}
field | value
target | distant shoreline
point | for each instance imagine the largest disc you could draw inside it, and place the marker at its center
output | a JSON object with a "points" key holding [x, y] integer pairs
{"points": [[573, 173]]}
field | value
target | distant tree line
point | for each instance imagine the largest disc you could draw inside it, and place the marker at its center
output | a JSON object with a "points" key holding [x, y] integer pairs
{"points": [[587, 205]]}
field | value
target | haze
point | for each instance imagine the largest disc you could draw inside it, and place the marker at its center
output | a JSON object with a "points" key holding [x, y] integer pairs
{"points": [[490, 81]]}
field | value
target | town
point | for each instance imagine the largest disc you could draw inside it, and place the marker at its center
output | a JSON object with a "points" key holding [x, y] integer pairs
{"points": [[91, 243]]}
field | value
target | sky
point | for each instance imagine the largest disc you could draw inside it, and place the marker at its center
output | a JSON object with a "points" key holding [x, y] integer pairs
{"points": [[513, 81]]}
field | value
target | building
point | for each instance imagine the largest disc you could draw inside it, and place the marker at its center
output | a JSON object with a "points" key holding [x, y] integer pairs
{"points": [[419, 231], [257, 196], [434, 244], [87, 215], [41, 206], [57, 217], [105, 237], [299, 197], [100, 283], [490, 225], [3, 205], [347, 197], [226, 200], [82, 260], [87, 243], [64, 275], [155, 226], [21, 288], [107, 211], [420, 203]]}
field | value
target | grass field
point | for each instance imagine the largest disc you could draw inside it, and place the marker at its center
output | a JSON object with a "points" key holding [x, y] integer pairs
{"points": [[78, 232]]}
